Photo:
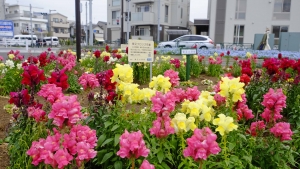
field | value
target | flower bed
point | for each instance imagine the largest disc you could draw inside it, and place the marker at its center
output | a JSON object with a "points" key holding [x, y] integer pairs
{"points": [[248, 119]]}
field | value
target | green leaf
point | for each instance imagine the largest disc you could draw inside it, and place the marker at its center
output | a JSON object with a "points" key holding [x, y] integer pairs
{"points": [[160, 156], [165, 165], [101, 139], [231, 146], [108, 123], [107, 141], [118, 165], [242, 136], [248, 158], [106, 157], [117, 139], [115, 127]]}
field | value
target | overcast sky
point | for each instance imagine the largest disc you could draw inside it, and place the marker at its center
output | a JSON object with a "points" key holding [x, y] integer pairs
{"points": [[67, 8]]}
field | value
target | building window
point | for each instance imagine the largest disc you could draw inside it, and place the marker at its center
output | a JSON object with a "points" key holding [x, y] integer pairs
{"points": [[240, 10], [62, 30], [143, 8], [181, 14], [282, 10], [276, 30], [115, 17], [238, 34], [37, 25], [166, 13], [16, 25], [56, 30], [116, 2], [56, 20]]}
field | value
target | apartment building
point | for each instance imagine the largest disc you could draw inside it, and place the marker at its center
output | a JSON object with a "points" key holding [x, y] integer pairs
{"points": [[2, 9], [143, 19], [237, 21], [59, 26], [20, 15]]}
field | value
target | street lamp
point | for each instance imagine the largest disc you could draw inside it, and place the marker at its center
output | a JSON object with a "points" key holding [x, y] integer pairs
{"points": [[49, 26]]}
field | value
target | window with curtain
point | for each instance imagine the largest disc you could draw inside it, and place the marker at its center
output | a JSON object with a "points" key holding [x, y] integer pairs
{"points": [[238, 34]]}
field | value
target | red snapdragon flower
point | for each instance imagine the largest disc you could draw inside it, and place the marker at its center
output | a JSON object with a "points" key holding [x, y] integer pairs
{"points": [[32, 75], [235, 58], [222, 54], [19, 98], [107, 48], [245, 79], [126, 50], [106, 59], [155, 52], [32, 59], [43, 59], [97, 53], [228, 53], [279, 56], [60, 79], [272, 65], [118, 56]]}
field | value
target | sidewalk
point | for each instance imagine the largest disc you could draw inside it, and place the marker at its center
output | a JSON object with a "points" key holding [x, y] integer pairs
{"points": [[30, 50]]}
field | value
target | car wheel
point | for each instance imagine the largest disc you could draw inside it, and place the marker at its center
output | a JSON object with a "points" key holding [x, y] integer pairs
{"points": [[168, 46], [203, 47]]}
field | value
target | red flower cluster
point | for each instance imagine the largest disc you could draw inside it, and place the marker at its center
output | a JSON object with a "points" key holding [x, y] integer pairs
{"points": [[107, 48], [43, 59], [105, 58], [32, 75], [245, 79], [104, 80], [296, 66], [60, 79], [272, 66], [97, 53], [118, 56], [114, 51], [286, 63], [201, 58], [246, 67], [175, 62], [19, 98], [32, 59]]}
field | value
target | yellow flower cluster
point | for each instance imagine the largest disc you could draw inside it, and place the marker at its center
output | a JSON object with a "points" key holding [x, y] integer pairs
{"points": [[201, 108], [11, 56], [225, 124], [122, 73], [163, 58], [248, 54], [232, 89], [104, 53], [181, 124], [160, 83]]}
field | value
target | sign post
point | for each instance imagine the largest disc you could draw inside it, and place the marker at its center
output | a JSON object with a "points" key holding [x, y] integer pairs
{"points": [[188, 53], [141, 51], [26, 43]]}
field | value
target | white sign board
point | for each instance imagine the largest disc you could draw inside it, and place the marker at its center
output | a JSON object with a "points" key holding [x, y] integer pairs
{"points": [[140, 51], [188, 51], [123, 47]]}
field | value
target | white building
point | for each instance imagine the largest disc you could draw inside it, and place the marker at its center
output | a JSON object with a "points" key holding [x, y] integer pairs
{"points": [[59, 26], [20, 15], [237, 21], [2, 9], [174, 14]]}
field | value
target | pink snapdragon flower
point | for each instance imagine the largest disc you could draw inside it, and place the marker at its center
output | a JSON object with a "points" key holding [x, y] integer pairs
{"points": [[174, 78], [88, 81], [282, 130], [192, 94], [63, 158], [34, 151], [175, 62], [274, 102], [163, 104], [201, 144], [132, 145], [66, 109], [147, 165], [242, 109], [50, 92], [162, 127], [219, 99], [179, 95], [256, 127], [37, 113]]}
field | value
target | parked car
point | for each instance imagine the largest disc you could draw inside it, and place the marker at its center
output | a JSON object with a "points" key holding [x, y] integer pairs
{"points": [[189, 41], [53, 40]]}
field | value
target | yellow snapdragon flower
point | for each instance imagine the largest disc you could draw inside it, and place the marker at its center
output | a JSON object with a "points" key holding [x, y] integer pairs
{"points": [[146, 94], [225, 124], [160, 83], [104, 53], [232, 89], [122, 73], [193, 109], [185, 105], [2, 65], [11, 56], [248, 54], [181, 124], [215, 54], [207, 99]]}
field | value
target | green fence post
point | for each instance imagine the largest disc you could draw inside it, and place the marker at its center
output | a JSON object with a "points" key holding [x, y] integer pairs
{"points": [[188, 67]]}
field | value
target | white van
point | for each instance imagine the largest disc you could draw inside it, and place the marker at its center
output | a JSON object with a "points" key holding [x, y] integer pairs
{"points": [[20, 40], [53, 40]]}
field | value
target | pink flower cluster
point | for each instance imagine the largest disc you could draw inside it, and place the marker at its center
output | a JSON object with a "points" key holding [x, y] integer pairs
{"points": [[66, 110], [217, 61], [201, 144], [50, 92], [163, 105], [192, 94], [179, 95], [88, 81], [256, 127], [132, 145], [174, 78], [175, 62], [68, 61], [282, 130], [147, 165], [36, 112], [60, 149], [242, 109], [274, 102]]}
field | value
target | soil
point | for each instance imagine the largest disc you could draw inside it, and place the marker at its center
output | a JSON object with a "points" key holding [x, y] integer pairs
{"points": [[4, 156]]}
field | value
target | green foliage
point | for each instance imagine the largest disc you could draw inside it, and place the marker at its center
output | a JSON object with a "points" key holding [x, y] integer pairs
{"points": [[197, 68], [141, 72], [214, 70], [11, 81], [74, 86], [236, 69]]}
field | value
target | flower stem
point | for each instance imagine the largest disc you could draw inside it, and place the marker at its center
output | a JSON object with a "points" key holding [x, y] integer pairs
{"points": [[201, 164], [132, 163]]}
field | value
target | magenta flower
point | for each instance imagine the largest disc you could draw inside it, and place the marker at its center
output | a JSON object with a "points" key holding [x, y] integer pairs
{"points": [[37, 113], [201, 144], [175, 62], [174, 78], [63, 158], [88, 81], [50, 92], [35, 150], [132, 145], [282, 130], [163, 105], [66, 109], [147, 165], [256, 127], [162, 127], [242, 109], [192, 94], [179, 95]]}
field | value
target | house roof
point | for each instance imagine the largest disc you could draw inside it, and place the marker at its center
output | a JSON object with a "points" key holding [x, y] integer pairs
{"points": [[59, 14]]}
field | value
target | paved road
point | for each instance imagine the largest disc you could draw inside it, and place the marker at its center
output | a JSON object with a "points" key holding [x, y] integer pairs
{"points": [[23, 51]]}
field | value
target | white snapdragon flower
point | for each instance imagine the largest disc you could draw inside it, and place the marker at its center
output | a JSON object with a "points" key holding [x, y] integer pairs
{"points": [[19, 66], [9, 64], [111, 60]]}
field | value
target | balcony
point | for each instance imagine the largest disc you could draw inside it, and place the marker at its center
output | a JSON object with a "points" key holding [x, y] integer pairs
{"points": [[142, 18], [15, 15], [61, 35], [141, 1], [60, 24]]}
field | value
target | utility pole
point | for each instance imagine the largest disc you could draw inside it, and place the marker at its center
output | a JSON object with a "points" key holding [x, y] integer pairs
{"points": [[91, 25], [86, 24], [78, 29], [122, 24], [158, 22], [128, 20], [31, 26]]}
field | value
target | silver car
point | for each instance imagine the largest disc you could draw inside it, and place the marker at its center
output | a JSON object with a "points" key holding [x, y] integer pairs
{"points": [[189, 41]]}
